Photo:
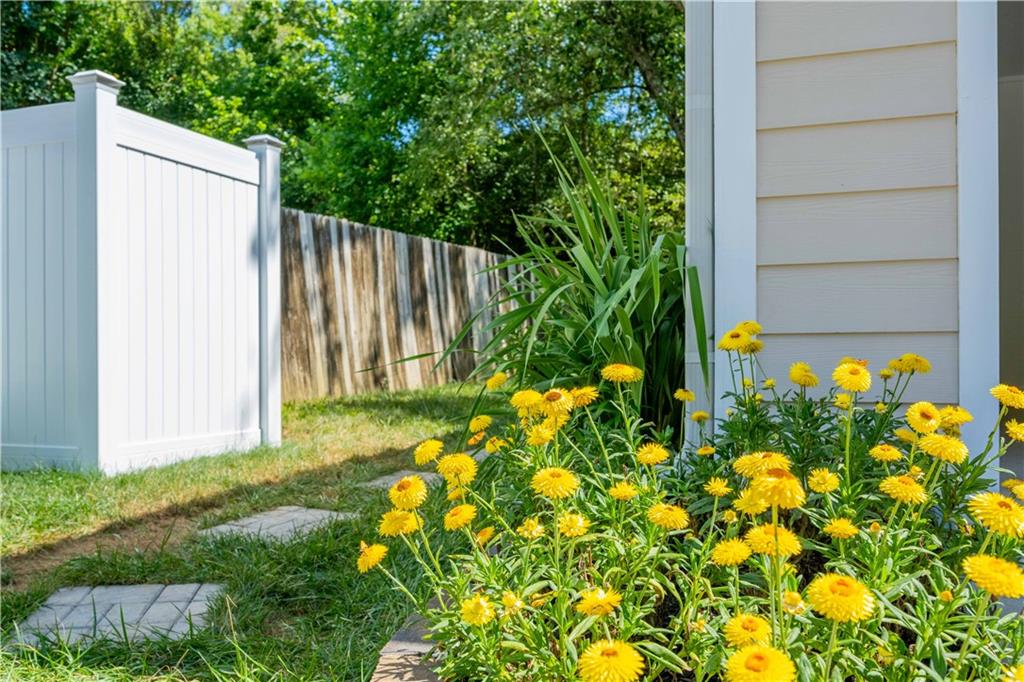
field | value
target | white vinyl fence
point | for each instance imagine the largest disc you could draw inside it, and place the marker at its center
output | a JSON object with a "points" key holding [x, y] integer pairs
{"points": [[141, 287]]}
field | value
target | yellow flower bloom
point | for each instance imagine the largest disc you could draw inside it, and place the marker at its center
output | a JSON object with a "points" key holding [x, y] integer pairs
{"points": [[619, 373], [840, 598], [511, 603], [651, 454], [573, 525], [457, 469], [886, 373], [946, 448], [998, 513], [705, 451], [875, 528], [850, 376], [729, 516], [793, 603], [408, 493], [554, 483], [556, 402], [484, 535], [841, 529], [700, 416], [526, 402], [477, 610], [757, 463], [764, 539], [583, 396], [843, 401], [1014, 430], [1014, 674], [668, 516], [459, 516], [598, 602], [800, 374], [1010, 396], [476, 438], [750, 503], [427, 451], [1012, 483], [370, 556], [496, 381], [822, 481], [885, 453], [745, 628], [903, 489], [480, 422], [906, 435], [881, 408], [923, 417], [734, 340], [910, 362], [457, 493], [946, 596], [399, 522], [609, 660], [730, 553], [684, 395], [954, 415], [748, 383], [623, 491], [717, 487], [541, 434], [779, 488], [759, 663], [998, 577], [531, 529], [751, 327], [768, 383], [494, 443]]}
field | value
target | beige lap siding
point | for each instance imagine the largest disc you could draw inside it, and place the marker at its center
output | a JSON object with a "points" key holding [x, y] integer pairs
{"points": [[856, 186]]}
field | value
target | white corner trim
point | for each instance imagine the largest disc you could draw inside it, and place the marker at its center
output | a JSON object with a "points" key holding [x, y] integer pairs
{"points": [[978, 215], [735, 176]]}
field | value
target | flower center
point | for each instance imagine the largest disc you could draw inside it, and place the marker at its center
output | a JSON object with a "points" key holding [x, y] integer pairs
{"points": [[735, 335], [404, 485], [750, 625], [1003, 504], [556, 474], [854, 371], [757, 662], [841, 587], [552, 396], [906, 480], [610, 653]]}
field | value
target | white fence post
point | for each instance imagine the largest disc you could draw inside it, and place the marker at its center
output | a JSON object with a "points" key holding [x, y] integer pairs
{"points": [[268, 151], [95, 110]]}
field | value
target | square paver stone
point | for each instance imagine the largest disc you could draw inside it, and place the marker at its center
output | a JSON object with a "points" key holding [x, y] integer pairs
{"points": [[281, 523], [388, 480], [118, 612]]}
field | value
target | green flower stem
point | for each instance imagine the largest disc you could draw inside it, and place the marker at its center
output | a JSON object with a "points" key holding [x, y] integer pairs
{"points": [[831, 650], [774, 580], [982, 607], [600, 441]]}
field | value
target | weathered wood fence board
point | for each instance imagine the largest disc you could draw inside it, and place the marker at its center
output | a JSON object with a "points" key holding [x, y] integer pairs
{"points": [[357, 299]]}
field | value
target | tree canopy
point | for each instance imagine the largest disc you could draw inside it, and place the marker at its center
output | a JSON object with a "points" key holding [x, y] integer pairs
{"points": [[430, 118]]}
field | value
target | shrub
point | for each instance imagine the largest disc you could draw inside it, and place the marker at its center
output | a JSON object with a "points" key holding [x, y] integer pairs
{"points": [[809, 538], [601, 286]]}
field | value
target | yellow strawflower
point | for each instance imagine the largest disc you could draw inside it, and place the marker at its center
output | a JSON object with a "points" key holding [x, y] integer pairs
{"points": [[1014, 674], [684, 395], [459, 516], [904, 489], [540, 434], [554, 483], [717, 487], [609, 660], [998, 513], [1014, 430], [752, 327], [954, 415], [480, 422], [840, 598], [427, 451], [759, 663], [852, 377], [998, 577], [840, 528], [881, 408], [885, 453], [477, 610], [757, 463], [700, 416], [800, 373], [705, 451], [906, 435], [769, 539], [457, 469], [822, 481], [651, 454], [619, 373], [668, 516], [750, 503], [531, 529], [556, 402], [583, 396], [910, 362], [496, 381], [494, 443], [779, 488], [573, 525], [923, 417], [512, 603], [399, 522], [1010, 396], [843, 401], [526, 401], [408, 493], [886, 373], [370, 556], [946, 448], [793, 603], [768, 384], [598, 602], [744, 628], [734, 340], [484, 535], [730, 553], [623, 491]]}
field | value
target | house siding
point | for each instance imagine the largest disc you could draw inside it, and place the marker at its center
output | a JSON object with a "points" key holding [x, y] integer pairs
{"points": [[857, 185]]}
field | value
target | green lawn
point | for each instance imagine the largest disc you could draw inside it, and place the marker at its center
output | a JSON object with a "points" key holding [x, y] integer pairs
{"points": [[294, 611]]}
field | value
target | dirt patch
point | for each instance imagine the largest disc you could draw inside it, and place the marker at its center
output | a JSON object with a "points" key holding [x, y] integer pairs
{"points": [[154, 532]]}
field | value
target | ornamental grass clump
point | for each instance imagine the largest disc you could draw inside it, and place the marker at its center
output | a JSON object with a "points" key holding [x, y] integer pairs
{"points": [[799, 537]]}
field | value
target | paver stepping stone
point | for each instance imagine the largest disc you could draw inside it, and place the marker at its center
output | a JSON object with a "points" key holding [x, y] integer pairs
{"points": [[119, 611], [404, 657], [281, 523], [388, 480]]}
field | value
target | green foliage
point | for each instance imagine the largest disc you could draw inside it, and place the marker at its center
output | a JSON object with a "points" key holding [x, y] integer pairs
{"points": [[602, 285], [414, 116]]}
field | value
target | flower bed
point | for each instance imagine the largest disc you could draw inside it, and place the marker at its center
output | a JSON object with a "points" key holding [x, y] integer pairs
{"points": [[811, 539]]}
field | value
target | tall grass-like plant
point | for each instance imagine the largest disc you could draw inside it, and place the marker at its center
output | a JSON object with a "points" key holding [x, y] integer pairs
{"points": [[597, 286]]}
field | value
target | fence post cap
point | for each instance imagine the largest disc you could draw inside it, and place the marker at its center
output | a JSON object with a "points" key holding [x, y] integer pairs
{"points": [[263, 141], [101, 79]]}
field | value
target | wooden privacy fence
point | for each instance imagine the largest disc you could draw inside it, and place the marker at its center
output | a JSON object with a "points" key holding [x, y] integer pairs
{"points": [[357, 299]]}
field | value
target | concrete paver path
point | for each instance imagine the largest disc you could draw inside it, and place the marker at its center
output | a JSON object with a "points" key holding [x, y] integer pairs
{"points": [[282, 523]]}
